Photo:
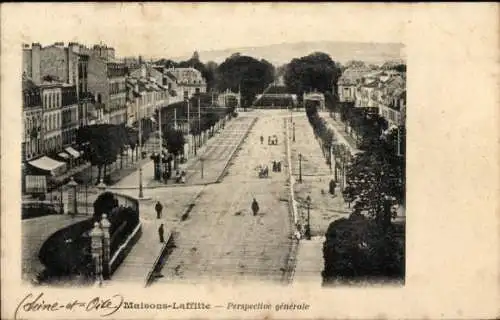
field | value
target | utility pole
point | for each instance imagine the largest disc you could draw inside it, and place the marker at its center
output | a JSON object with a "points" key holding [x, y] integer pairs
{"points": [[199, 122], [300, 167], [141, 195], [188, 124], [161, 144], [308, 227]]}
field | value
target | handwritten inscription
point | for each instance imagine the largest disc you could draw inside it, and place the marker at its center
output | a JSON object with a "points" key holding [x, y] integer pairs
{"points": [[103, 306]]}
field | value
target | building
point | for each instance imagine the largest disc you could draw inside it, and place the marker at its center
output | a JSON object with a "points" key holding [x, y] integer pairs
{"points": [[65, 64], [144, 96], [189, 81], [348, 82], [32, 143], [107, 83], [51, 93], [69, 115]]}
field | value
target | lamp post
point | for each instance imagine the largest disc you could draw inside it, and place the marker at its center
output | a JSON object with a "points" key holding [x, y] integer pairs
{"points": [[202, 160], [300, 167], [61, 203], [72, 203], [308, 226]]}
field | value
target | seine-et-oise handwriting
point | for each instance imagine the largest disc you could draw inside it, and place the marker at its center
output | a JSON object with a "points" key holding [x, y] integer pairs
{"points": [[103, 306]]}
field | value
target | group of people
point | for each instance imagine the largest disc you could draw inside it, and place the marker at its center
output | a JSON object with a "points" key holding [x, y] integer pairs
{"points": [[180, 176], [271, 140], [263, 172]]}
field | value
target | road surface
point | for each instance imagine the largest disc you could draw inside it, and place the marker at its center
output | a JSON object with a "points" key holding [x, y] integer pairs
{"points": [[222, 239]]}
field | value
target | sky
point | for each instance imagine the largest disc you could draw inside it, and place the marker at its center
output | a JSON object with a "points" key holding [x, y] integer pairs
{"points": [[175, 29]]}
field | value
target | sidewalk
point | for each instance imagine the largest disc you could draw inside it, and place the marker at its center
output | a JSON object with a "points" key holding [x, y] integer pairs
{"points": [[141, 259], [341, 135], [310, 262], [316, 176], [217, 152]]}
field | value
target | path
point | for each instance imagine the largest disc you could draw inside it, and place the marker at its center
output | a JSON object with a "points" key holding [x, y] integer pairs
{"points": [[222, 239], [341, 135]]}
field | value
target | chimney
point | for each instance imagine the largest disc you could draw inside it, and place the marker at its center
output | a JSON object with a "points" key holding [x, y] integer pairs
{"points": [[36, 49]]}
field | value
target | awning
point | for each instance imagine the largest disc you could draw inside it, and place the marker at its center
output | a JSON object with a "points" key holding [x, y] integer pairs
{"points": [[63, 155], [48, 164], [75, 154]]}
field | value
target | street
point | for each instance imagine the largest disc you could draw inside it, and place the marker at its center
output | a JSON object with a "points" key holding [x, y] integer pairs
{"points": [[221, 238]]}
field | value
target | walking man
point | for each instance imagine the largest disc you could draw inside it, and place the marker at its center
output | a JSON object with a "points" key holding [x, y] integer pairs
{"points": [[255, 207], [261, 139], [161, 233], [158, 208], [332, 187]]}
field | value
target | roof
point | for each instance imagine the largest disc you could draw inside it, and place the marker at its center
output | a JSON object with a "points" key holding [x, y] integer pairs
{"points": [[171, 75], [352, 75]]}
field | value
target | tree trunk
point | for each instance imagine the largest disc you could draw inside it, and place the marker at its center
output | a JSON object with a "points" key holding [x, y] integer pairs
{"points": [[121, 159]]}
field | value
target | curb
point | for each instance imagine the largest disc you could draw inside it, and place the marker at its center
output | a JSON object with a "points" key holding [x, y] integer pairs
{"points": [[159, 259], [292, 208], [169, 244]]}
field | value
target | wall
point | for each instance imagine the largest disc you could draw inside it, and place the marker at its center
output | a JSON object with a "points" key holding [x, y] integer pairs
{"points": [[97, 79]]}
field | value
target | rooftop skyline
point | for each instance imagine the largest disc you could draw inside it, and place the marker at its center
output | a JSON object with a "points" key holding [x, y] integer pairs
{"points": [[171, 30]]}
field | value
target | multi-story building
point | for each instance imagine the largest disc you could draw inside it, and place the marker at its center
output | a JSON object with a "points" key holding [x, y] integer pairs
{"points": [[348, 82], [107, 82], [51, 93], [69, 115], [382, 91], [65, 64], [144, 96], [189, 81], [32, 143]]}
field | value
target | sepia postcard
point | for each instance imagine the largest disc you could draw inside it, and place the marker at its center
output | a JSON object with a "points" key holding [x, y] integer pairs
{"points": [[250, 161]]}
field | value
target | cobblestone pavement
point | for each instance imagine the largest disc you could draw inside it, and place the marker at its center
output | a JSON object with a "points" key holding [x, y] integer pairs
{"points": [[221, 238]]}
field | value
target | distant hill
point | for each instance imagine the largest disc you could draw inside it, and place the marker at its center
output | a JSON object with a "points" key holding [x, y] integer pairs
{"points": [[278, 54]]}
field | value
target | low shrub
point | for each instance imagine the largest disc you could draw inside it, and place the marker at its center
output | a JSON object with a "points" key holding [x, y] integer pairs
{"points": [[357, 248]]}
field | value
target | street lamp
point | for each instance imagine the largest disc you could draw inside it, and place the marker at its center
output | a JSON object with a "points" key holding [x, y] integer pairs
{"points": [[202, 160], [308, 226], [101, 186]]}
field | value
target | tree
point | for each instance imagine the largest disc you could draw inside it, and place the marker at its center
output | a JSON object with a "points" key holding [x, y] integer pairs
{"points": [[105, 144], [244, 73], [175, 141], [316, 71]]}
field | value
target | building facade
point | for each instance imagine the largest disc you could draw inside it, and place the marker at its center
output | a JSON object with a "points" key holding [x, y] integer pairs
{"points": [[66, 64], [51, 94], [189, 81], [69, 115], [107, 83], [32, 143]]}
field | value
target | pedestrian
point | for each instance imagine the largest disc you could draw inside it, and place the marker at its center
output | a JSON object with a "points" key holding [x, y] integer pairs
{"points": [[261, 139], [332, 187], [255, 207], [161, 233], [158, 208], [274, 166]]}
